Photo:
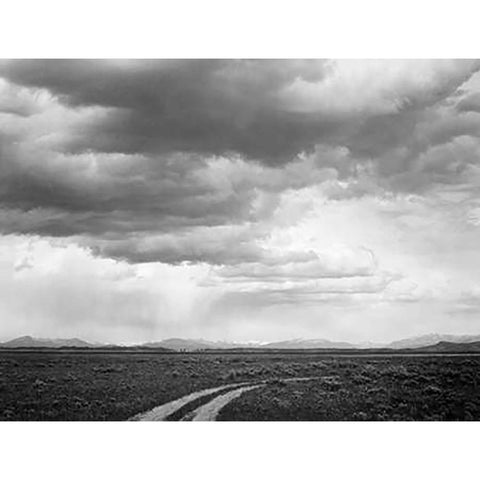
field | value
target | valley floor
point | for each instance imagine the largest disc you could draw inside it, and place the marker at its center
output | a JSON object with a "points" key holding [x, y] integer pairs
{"points": [[118, 386]]}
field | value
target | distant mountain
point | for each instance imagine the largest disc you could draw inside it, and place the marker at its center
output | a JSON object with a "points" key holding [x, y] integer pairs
{"points": [[369, 345], [177, 344], [433, 342], [432, 339], [31, 342], [452, 347], [182, 344], [194, 344], [306, 344], [200, 344]]}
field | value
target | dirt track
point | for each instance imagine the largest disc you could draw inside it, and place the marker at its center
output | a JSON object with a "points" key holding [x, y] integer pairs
{"points": [[162, 412], [207, 412]]}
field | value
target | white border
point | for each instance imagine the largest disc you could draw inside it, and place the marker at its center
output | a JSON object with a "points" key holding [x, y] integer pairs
{"points": [[251, 28], [255, 29], [239, 450]]}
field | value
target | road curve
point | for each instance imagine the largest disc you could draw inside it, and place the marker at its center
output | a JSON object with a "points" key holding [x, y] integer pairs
{"points": [[209, 411], [161, 412]]}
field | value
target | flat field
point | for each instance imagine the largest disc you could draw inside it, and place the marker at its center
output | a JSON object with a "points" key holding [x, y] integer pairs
{"points": [[117, 385]]}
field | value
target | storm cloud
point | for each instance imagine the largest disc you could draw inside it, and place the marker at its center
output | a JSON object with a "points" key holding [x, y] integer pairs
{"points": [[277, 182]]}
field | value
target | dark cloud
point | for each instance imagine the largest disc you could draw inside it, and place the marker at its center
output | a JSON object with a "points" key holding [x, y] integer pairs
{"points": [[113, 196], [215, 245], [221, 106], [471, 103], [182, 160], [203, 106]]}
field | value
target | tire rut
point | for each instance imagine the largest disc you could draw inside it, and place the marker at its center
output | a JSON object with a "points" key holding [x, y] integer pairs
{"points": [[209, 411], [186, 408], [162, 412]]}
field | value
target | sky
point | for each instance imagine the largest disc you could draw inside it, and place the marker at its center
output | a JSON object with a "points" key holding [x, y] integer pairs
{"points": [[242, 200]]}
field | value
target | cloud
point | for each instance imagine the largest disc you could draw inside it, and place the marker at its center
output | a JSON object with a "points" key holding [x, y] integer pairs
{"points": [[327, 186], [467, 303], [303, 266], [17, 101], [473, 216], [470, 103], [377, 87], [57, 288], [214, 245], [209, 107], [268, 110], [173, 208], [323, 291], [302, 277]]}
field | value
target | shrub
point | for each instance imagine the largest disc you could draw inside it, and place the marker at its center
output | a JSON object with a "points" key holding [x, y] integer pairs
{"points": [[360, 416], [277, 382], [231, 375]]}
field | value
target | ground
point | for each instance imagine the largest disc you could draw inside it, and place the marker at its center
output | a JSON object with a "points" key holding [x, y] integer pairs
{"points": [[116, 386]]}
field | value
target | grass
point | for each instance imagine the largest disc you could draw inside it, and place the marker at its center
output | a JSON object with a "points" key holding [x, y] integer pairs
{"points": [[116, 386], [408, 388]]}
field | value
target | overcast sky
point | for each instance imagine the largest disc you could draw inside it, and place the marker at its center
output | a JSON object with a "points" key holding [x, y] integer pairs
{"points": [[239, 200]]}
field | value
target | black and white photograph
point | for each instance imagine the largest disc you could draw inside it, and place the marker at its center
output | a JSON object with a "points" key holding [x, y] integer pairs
{"points": [[267, 240], [239, 240]]}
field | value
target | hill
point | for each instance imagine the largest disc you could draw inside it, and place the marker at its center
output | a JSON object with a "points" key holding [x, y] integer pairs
{"points": [[31, 342], [181, 344], [426, 343], [452, 347], [432, 339], [308, 344]]}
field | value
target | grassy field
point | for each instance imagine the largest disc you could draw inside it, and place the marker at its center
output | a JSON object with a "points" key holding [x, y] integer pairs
{"points": [[115, 386]]}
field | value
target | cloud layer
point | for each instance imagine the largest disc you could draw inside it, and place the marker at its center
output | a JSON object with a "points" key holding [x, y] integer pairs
{"points": [[324, 185]]}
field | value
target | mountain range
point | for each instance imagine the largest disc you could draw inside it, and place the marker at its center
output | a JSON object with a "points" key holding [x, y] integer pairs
{"points": [[451, 347], [432, 339], [431, 342], [31, 342]]}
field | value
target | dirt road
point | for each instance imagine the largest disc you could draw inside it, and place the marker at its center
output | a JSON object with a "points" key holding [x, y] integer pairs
{"points": [[162, 412], [210, 409]]}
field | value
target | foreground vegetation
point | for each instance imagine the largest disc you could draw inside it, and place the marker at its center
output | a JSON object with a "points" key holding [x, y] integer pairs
{"points": [[115, 386]]}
